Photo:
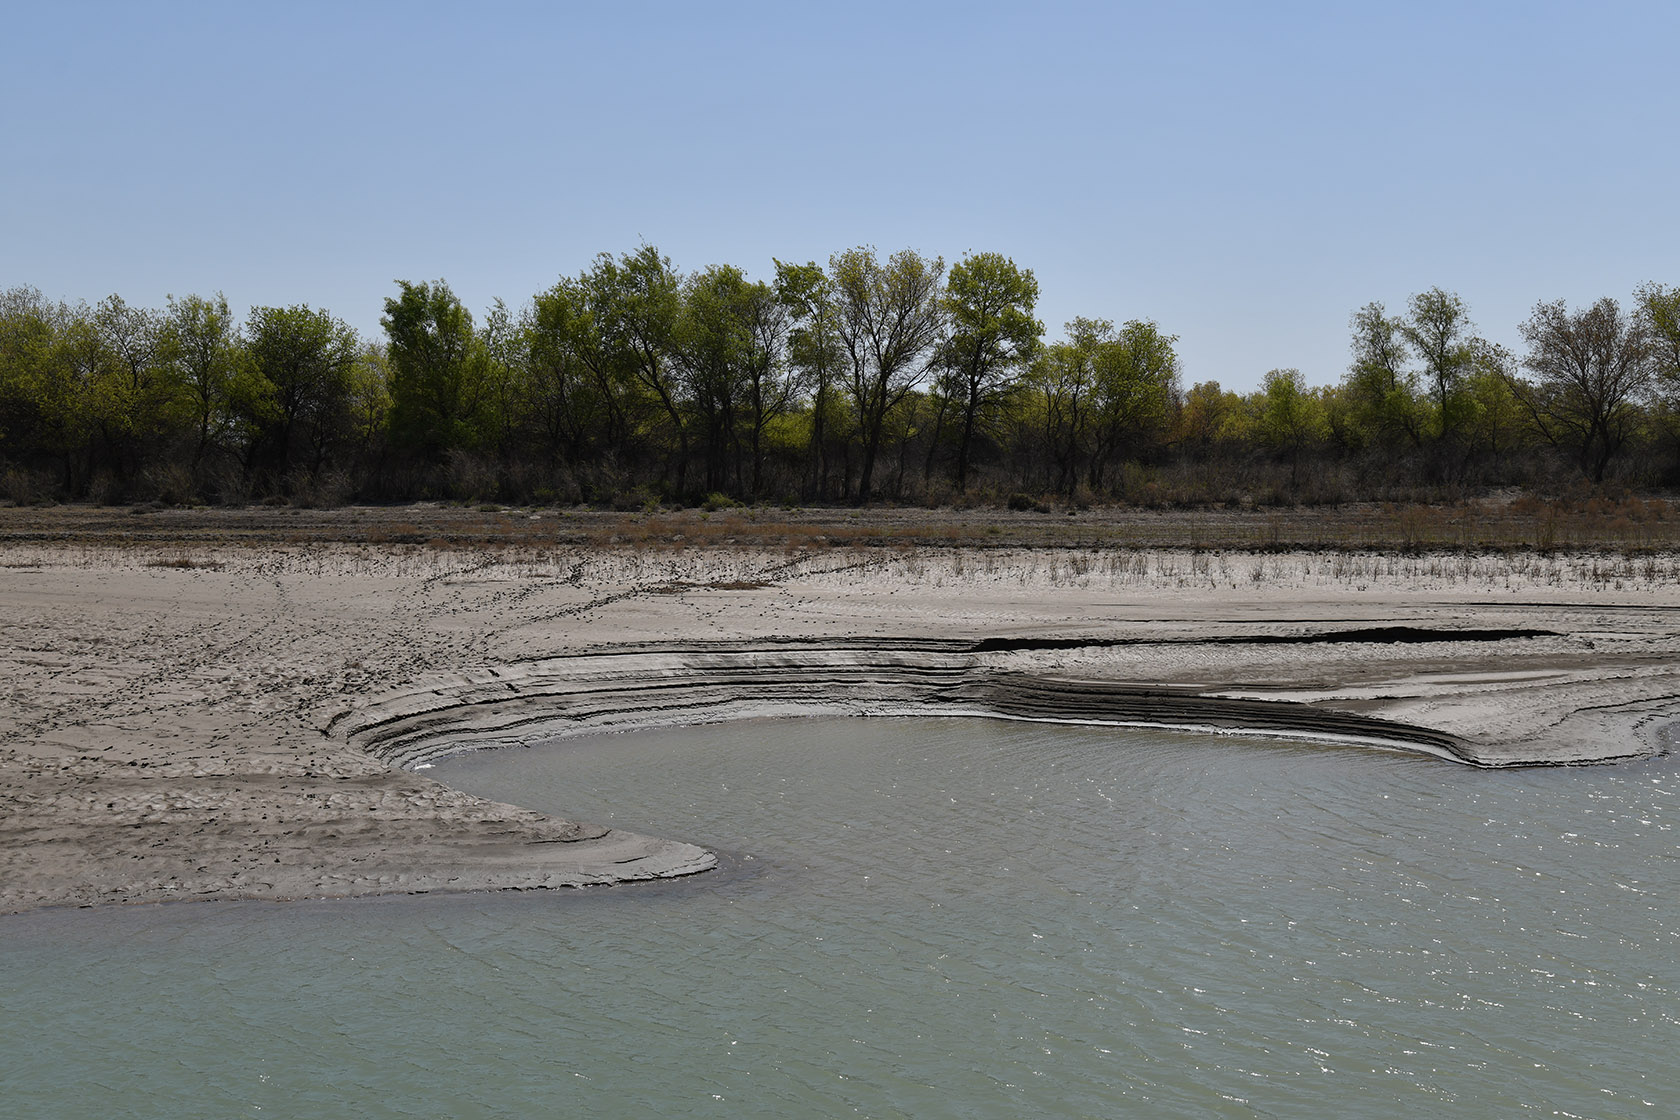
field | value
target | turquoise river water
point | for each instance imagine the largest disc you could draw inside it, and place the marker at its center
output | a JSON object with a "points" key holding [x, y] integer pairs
{"points": [[928, 918]]}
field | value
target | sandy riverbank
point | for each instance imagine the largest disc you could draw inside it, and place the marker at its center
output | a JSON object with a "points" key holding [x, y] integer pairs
{"points": [[194, 721]]}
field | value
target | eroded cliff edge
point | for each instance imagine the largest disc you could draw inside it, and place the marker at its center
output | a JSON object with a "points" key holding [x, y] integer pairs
{"points": [[232, 723], [626, 689]]}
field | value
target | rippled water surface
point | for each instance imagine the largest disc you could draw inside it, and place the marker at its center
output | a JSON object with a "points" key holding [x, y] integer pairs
{"points": [[926, 918]]}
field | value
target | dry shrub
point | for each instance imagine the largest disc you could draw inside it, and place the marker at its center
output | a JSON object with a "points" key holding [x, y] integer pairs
{"points": [[186, 562], [25, 487], [171, 483]]}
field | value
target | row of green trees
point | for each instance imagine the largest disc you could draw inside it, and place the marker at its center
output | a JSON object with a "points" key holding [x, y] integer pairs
{"points": [[118, 399], [867, 377], [1590, 380]]}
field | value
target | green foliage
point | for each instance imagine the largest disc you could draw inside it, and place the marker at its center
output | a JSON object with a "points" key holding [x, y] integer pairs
{"points": [[815, 359], [201, 343], [368, 405], [299, 399], [716, 362], [632, 382], [1103, 395], [438, 371], [1212, 418], [730, 347], [1497, 421], [45, 381], [1591, 367], [1060, 385], [503, 343], [1134, 388], [136, 398], [576, 400], [1290, 417], [634, 303], [888, 319], [1659, 309], [716, 501], [1439, 331], [1383, 404], [991, 339]]}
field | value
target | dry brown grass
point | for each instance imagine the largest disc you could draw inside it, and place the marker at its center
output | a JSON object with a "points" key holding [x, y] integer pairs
{"points": [[1625, 525], [188, 562]]}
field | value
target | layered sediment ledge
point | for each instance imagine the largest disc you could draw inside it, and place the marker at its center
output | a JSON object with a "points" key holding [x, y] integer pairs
{"points": [[248, 722], [651, 687]]}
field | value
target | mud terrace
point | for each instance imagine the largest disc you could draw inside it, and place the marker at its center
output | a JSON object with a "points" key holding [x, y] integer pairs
{"points": [[200, 722]]}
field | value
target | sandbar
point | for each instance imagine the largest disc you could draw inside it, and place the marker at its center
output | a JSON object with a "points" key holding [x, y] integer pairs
{"points": [[252, 720]]}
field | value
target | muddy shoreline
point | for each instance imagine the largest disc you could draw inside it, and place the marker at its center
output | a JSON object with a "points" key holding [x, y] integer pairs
{"points": [[562, 698], [190, 720]]}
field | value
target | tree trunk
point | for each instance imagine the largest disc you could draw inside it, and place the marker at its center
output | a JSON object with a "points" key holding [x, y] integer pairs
{"points": [[963, 445]]}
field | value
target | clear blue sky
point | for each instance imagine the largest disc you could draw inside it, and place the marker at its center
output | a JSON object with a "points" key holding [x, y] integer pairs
{"points": [[1245, 174]]}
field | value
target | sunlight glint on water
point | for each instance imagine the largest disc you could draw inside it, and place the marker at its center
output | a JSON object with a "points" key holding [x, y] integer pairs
{"points": [[925, 918]]}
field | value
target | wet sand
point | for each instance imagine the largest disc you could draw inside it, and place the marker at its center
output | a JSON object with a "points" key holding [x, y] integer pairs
{"points": [[192, 721]]}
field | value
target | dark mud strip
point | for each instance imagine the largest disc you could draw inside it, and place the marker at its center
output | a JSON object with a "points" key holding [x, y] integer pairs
{"points": [[1052, 699], [1370, 635]]}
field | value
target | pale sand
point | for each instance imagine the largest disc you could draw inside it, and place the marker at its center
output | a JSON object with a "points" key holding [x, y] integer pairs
{"points": [[236, 731]]}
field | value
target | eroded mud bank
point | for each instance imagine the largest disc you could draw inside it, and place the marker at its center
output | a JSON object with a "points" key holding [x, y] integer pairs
{"points": [[563, 697], [235, 723]]}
